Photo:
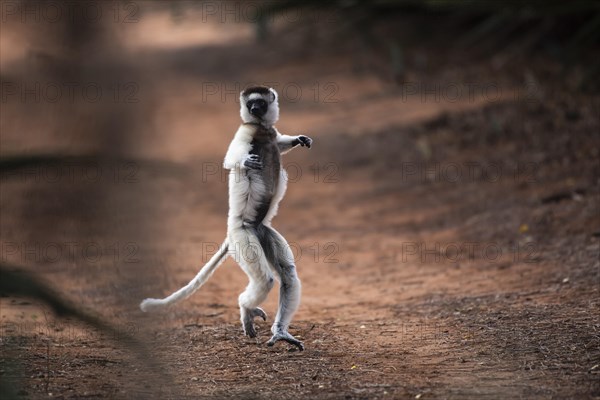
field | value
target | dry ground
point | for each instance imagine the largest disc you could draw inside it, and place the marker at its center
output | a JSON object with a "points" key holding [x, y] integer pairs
{"points": [[448, 247]]}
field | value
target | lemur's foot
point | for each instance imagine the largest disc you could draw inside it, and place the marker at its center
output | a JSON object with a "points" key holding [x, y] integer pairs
{"points": [[258, 312], [249, 329], [284, 335], [252, 161]]}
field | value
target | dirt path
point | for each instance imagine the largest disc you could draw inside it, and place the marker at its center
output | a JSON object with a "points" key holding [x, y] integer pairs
{"points": [[444, 252]]}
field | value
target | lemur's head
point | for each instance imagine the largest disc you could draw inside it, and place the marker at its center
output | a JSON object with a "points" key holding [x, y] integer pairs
{"points": [[258, 104]]}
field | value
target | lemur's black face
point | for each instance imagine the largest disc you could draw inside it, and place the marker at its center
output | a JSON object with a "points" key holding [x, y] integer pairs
{"points": [[257, 107]]}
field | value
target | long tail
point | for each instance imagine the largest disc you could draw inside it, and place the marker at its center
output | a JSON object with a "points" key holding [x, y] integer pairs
{"points": [[190, 288]]}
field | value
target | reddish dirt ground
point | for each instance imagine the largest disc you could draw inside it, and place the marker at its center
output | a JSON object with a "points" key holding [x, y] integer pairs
{"points": [[448, 248]]}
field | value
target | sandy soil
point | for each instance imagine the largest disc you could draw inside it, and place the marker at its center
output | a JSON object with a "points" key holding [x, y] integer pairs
{"points": [[448, 247]]}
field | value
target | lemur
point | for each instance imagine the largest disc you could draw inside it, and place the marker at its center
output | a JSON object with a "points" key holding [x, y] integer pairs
{"points": [[257, 183]]}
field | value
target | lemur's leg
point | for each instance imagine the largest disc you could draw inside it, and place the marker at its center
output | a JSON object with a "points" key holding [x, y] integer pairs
{"points": [[289, 291], [256, 292], [251, 258]]}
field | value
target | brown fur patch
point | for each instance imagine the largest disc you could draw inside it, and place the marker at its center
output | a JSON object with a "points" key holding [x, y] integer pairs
{"points": [[263, 90], [256, 89]]}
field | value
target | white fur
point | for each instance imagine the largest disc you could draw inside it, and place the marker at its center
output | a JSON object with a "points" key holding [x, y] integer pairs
{"points": [[286, 311], [272, 115], [285, 142], [195, 284], [240, 147]]}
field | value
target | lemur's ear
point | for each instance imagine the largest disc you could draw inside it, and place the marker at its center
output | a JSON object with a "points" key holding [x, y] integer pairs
{"points": [[273, 93]]}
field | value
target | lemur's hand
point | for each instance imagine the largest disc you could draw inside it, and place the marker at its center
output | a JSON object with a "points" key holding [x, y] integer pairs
{"points": [[252, 161], [304, 141]]}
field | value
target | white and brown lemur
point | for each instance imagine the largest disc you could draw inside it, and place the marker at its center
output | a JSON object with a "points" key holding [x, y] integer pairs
{"points": [[257, 183]]}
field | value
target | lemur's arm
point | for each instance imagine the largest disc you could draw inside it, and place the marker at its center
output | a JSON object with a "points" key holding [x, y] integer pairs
{"points": [[286, 142], [238, 155]]}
